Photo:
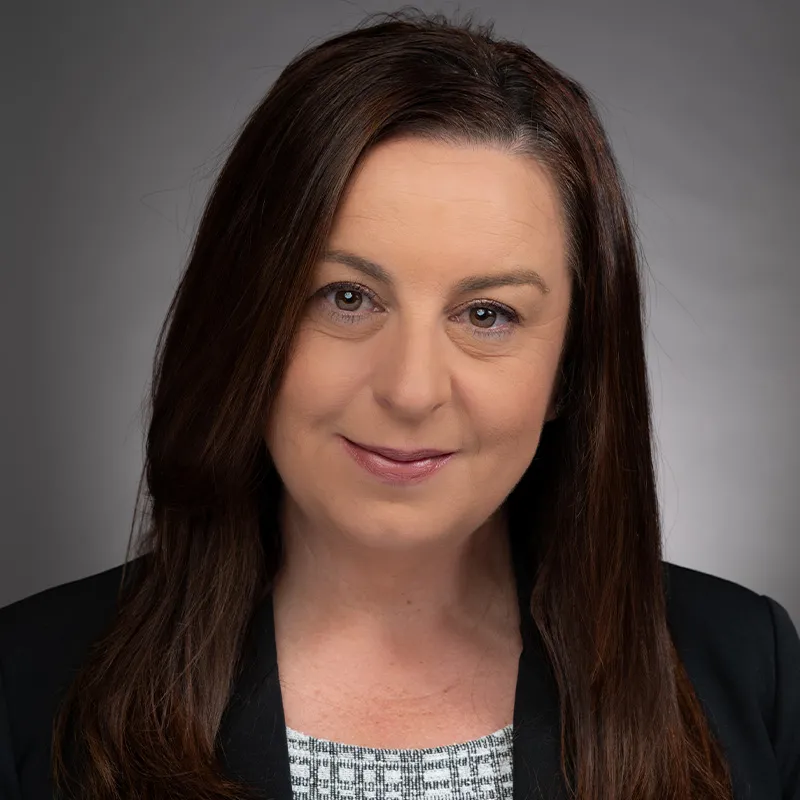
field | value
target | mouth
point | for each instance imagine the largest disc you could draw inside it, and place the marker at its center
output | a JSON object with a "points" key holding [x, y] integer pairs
{"points": [[402, 466], [403, 455]]}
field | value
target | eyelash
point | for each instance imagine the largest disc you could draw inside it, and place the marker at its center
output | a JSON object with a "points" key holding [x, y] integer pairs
{"points": [[480, 333]]}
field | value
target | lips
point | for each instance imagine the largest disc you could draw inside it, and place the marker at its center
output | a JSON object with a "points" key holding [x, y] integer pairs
{"points": [[403, 455], [412, 467]]}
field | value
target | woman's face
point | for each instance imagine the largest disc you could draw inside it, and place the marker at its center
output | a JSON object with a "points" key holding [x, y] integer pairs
{"points": [[438, 325]]}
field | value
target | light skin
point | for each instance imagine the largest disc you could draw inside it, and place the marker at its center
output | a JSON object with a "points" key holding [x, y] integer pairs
{"points": [[407, 571]]}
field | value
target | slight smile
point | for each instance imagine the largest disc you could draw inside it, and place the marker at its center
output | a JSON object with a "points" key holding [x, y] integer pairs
{"points": [[406, 467]]}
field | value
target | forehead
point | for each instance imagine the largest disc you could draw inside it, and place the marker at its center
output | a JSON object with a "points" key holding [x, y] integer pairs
{"points": [[420, 195]]}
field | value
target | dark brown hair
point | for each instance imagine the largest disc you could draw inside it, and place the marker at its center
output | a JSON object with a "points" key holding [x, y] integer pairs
{"points": [[148, 701]]}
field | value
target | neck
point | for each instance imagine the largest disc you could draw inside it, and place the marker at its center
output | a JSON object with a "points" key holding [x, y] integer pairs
{"points": [[331, 585]]}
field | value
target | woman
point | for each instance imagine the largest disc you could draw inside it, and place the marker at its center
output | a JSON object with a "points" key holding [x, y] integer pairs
{"points": [[403, 532]]}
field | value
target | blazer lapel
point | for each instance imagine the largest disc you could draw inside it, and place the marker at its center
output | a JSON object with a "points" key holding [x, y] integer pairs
{"points": [[252, 738], [537, 724]]}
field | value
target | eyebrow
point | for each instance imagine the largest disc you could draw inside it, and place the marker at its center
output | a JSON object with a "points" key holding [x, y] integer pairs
{"points": [[516, 277]]}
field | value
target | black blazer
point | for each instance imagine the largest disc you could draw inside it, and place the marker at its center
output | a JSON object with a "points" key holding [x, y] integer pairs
{"points": [[740, 648]]}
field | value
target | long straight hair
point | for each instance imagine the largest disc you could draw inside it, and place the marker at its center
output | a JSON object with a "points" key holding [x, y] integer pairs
{"points": [[147, 703]]}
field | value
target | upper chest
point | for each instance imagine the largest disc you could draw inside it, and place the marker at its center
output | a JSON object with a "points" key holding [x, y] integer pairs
{"points": [[460, 692]]}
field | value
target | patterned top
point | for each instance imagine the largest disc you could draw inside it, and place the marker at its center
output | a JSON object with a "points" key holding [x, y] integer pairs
{"points": [[480, 769]]}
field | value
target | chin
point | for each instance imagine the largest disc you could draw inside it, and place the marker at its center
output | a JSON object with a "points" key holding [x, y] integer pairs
{"points": [[396, 524]]}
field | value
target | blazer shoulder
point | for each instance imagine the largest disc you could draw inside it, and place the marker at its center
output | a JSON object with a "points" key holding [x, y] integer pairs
{"points": [[719, 619], [44, 640], [73, 604], [54, 627], [742, 651], [713, 598]]}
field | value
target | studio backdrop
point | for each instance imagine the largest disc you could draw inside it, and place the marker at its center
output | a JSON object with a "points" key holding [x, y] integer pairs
{"points": [[117, 115]]}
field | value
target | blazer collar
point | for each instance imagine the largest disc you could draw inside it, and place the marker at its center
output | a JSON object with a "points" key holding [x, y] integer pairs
{"points": [[253, 744]]}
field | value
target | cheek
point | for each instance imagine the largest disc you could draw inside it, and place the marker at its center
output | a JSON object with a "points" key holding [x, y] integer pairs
{"points": [[319, 383], [509, 410], [513, 428], [506, 420]]}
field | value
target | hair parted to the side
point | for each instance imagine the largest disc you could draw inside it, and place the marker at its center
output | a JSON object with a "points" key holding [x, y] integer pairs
{"points": [[141, 718]]}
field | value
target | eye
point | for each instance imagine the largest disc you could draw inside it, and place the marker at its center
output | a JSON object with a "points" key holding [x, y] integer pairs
{"points": [[343, 300], [352, 303], [483, 316]]}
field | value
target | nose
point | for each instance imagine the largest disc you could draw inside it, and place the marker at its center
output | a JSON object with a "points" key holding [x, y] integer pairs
{"points": [[411, 377]]}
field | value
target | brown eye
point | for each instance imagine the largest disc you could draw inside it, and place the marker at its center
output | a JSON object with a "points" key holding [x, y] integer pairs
{"points": [[491, 320], [348, 300], [482, 317], [350, 303]]}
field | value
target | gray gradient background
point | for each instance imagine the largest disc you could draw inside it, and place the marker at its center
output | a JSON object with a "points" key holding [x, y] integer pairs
{"points": [[117, 115]]}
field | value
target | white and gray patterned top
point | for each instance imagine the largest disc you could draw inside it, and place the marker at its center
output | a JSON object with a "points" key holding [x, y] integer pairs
{"points": [[480, 769]]}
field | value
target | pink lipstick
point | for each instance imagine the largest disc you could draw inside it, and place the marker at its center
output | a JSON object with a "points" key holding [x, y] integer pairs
{"points": [[397, 466]]}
